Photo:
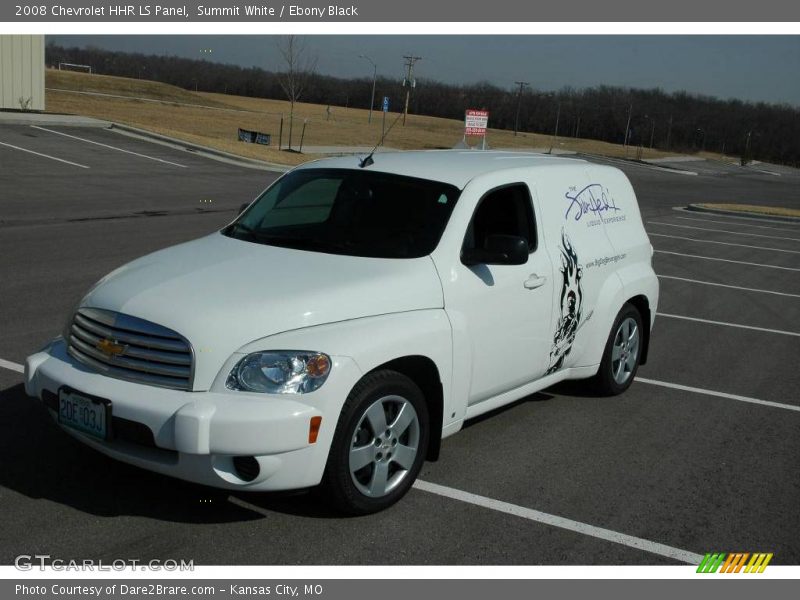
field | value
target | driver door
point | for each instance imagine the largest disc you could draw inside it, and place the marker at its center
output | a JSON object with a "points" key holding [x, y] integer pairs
{"points": [[506, 309]]}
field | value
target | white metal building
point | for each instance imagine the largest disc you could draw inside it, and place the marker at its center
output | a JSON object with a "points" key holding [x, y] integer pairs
{"points": [[22, 72]]}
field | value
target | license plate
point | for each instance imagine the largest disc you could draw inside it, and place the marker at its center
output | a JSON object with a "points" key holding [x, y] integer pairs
{"points": [[84, 413]]}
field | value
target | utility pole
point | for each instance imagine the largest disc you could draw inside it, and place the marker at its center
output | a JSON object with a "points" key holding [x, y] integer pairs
{"points": [[578, 126], [652, 132], [374, 78], [409, 81], [522, 85], [628, 125]]}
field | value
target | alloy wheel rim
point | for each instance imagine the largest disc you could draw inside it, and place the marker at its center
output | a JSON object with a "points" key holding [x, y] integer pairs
{"points": [[384, 446], [625, 350]]}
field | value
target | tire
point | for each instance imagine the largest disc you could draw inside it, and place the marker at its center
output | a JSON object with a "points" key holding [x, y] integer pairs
{"points": [[379, 444], [622, 353]]}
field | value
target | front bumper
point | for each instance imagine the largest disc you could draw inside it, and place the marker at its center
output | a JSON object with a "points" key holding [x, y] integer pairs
{"points": [[196, 435]]}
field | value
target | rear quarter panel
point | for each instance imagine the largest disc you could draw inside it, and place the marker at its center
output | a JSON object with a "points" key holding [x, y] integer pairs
{"points": [[625, 230], [575, 203]]}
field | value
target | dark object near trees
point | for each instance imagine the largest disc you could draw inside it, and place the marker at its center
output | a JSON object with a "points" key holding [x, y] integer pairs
{"points": [[254, 137]]}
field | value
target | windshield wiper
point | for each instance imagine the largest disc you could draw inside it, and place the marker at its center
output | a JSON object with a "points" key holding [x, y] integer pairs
{"points": [[256, 234], [286, 241], [239, 226], [302, 243]]}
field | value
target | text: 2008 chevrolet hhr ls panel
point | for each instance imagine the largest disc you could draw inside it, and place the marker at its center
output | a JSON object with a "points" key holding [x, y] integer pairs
{"points": [[352, 317]]}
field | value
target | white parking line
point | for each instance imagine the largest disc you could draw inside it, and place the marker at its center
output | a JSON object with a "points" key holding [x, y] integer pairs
{"points": [[69, 162], [560, 522], [4, 364], [741, 224], [678, 237], [75, 137], [738, 325], [761, 235], [738, 262], [725, 285], [694, 390]]}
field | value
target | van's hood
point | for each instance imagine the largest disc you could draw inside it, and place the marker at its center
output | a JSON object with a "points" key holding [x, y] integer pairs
{"points": [[221, 293]]}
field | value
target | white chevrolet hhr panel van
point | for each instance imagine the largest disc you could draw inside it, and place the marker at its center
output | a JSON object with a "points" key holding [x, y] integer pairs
{"points": [[354, 316]]}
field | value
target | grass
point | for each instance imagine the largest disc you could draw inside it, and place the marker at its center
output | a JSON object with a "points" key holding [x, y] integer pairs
{"points": [[213, 120], [122, 86], [752, 208]]}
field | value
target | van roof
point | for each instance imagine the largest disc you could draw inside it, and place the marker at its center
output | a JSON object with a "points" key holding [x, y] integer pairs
{"points": [[456, 167]]}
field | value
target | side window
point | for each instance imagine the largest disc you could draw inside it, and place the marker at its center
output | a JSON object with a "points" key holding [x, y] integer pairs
{"points": [[507, 210]]}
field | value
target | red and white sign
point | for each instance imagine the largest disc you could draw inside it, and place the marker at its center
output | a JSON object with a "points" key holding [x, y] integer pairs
{"points": [[476, 122]]}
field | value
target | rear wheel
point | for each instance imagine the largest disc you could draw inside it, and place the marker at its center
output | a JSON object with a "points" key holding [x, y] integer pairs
{"points": [[622, 353], [379, 444]]}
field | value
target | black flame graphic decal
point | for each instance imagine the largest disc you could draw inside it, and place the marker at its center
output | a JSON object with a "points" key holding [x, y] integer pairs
{"points": [[571, 304]]}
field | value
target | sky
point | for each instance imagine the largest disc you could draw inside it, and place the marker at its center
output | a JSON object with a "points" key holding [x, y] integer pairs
{"points": [[754, 68]]}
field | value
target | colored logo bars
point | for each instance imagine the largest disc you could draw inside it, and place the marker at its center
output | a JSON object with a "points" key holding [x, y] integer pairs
{"points": [[734, 562]]}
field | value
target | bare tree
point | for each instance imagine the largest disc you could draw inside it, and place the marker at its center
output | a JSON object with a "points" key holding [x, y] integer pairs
{"points": [[300, 66]]}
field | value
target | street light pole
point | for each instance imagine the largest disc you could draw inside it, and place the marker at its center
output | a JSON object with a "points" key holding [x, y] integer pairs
{"points": [[555, 131], [669, 131], [374, 78], [521, 84], [746, 155]]}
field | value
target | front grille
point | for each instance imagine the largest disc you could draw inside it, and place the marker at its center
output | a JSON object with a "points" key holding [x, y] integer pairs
{"points": [[130, 348]]}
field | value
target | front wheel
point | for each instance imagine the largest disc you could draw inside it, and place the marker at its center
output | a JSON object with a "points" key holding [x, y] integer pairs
{"points": [[622, 353], [379, 444]]}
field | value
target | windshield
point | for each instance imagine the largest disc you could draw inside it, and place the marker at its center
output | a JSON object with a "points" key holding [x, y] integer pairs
{"points": [[348, 211]]}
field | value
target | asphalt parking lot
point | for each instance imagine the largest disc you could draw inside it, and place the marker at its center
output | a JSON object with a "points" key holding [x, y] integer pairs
{"points": [[700, 455]]}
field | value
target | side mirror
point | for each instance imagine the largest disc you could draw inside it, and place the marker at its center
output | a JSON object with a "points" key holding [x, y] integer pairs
{"points": [[498, 249], [243, 207]]}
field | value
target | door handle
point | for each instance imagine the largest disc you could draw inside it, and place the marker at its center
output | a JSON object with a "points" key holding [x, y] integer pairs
{"points": [[534, 281]]}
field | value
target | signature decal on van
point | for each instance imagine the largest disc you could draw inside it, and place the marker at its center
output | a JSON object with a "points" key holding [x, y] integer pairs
{"points": [[594, 200], [571, 304]]}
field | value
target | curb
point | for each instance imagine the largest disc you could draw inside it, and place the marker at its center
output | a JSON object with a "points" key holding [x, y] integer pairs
{"points": [[741, 213], [51, 119], [678, 158], [200, 149], [638, 163]]}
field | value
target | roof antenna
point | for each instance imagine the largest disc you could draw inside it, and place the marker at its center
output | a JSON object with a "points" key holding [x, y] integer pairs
{"points": [[367, 160]]}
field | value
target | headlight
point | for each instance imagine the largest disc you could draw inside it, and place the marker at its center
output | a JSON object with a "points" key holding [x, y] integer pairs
{"points": [[280, 372]]}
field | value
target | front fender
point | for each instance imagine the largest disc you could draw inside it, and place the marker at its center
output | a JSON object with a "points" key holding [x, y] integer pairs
{"points": [[359, 346]]}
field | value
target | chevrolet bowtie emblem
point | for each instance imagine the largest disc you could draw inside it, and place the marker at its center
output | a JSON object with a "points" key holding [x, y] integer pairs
{"points": [[110, 347]]}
